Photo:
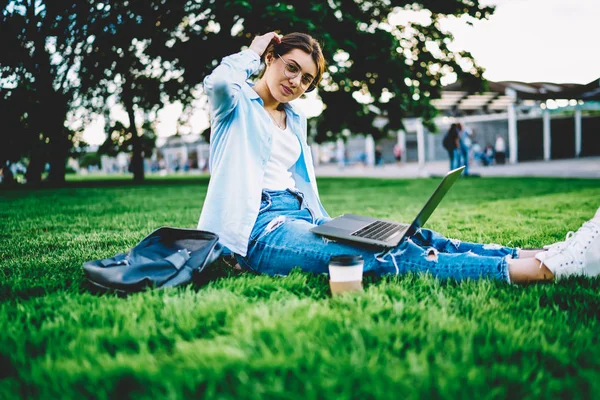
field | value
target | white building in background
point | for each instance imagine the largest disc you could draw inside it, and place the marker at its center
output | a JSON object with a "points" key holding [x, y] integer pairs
{"points": [[537, 121], [172, 154], [118, 164], [182, 153]]}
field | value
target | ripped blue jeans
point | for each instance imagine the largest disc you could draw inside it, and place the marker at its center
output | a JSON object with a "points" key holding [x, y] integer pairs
{"points": [[281, 240]]}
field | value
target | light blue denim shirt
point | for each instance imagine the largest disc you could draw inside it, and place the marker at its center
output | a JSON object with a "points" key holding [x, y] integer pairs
{"points": [[240, 146]]}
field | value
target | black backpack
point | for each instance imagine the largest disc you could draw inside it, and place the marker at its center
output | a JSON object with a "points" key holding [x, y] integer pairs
{"points": [[449, 140], [446, 141], [167, 257]]}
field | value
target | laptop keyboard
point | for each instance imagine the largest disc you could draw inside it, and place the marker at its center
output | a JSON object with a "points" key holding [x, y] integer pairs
{"points": [[380, 230]]}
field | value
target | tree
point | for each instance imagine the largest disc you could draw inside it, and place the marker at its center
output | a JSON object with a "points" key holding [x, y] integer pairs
{"points": [[397, 69], [42, 43], [16, 138], [90, 160], [122, 69], [120, 139], [82, 53]]}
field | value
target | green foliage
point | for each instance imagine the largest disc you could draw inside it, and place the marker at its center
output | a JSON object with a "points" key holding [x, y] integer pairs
{"points": [[366, 55], [238, 335], [57, 56], [17, 136], [119, 69], [90, 159], [59, 53], [121, 139], [41, 45]]}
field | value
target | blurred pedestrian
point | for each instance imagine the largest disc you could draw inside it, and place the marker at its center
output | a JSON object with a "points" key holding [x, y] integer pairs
{"points": [[476, 151], [378, 155], [500, 149], [398, 153], [450, 143], [464, 146], [487, 157]]}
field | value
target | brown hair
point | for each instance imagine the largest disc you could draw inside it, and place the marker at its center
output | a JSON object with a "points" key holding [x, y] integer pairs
{"points": [[303, 42]]}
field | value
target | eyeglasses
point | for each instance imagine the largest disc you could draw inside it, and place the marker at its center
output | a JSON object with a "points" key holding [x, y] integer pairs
{"points": [[291, 71]]}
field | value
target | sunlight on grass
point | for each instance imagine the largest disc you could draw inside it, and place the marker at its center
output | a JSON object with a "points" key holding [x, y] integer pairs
{"points": [[237, 335]]}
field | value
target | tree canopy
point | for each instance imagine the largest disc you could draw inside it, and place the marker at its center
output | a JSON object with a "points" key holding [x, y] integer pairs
{"points": [[41, 46], [375, 68], [59, 56]]}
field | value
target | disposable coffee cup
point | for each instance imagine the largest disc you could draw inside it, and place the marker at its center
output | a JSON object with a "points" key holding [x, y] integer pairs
{"points": [[345, 273]]}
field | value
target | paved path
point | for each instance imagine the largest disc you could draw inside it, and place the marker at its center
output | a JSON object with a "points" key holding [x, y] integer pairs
{"points": [[587, 167]]}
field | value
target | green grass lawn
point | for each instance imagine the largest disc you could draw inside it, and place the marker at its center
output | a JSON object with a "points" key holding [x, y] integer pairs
{"points": [[242, 336]]}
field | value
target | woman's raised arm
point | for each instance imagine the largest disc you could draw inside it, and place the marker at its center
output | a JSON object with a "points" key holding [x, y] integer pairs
{"points": [[223, 85]]}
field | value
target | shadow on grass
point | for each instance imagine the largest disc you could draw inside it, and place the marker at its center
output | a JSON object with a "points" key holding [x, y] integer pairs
{"points": [[217, 275], [212, 273]]}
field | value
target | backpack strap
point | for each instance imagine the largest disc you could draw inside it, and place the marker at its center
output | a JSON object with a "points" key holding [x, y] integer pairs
{"points": [[179, 258], [119, 259]]}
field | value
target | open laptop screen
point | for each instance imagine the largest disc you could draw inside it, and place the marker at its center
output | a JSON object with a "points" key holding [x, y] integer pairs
{"points": [[435, 199]]}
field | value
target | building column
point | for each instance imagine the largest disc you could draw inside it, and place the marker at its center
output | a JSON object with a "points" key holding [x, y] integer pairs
{"points": [[340, 151], [430, 147], [420, 143], [370, 150], [512, 127], [577, 132], [185, 157], [547, 137], [402, 143]]}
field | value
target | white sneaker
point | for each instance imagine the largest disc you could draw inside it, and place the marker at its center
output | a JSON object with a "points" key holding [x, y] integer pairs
{"points": [[559, 245], [578, 254]]}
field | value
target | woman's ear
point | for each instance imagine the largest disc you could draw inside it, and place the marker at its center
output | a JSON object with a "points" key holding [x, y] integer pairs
{"points": [[269, 59]]}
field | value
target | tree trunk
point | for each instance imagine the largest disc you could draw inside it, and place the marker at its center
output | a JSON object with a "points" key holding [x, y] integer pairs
{"points": [[59, 152], [35, 168], [137, 159], [60, 144], [58, 166]]}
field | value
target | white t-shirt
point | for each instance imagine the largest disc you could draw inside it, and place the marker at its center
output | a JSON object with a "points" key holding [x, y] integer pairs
{"points": [[285, 151], [500, 146]]}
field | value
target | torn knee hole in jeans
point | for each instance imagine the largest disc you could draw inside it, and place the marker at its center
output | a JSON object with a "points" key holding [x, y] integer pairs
{"points": [[275, 223], [431, 254]]}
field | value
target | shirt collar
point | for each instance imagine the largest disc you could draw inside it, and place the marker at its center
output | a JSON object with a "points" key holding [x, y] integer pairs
{"points": [[254, 96]]}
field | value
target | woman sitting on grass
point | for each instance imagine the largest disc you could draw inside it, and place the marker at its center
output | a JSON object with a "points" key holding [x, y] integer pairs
{"points": [[262, 197]]}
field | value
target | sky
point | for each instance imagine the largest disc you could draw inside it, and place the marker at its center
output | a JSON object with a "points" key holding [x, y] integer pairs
{"points": [[535, 40], [524, 40]]}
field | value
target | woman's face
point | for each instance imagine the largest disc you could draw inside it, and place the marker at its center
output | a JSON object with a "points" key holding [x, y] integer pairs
{"points": [[285, 89]]}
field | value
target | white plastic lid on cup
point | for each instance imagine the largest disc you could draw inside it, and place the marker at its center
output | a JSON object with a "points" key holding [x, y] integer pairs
{"points": [[346, 268]]}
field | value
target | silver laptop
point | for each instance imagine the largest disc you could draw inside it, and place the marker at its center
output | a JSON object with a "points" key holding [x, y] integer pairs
{"points": [[382, 233]]}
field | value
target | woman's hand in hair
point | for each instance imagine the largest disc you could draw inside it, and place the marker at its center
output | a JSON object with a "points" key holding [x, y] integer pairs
{"points": [[260, 43]]}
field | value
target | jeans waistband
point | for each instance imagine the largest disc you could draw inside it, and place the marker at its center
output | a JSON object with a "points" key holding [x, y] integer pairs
{"points": [[283, 196]]}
